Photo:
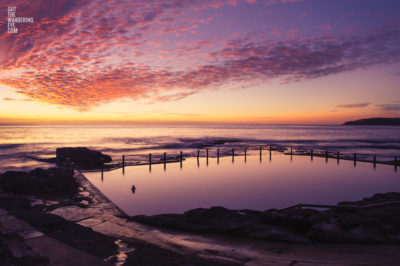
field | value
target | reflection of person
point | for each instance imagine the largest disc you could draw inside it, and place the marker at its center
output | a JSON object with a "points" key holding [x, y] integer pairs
{"points": [[133, 189]]}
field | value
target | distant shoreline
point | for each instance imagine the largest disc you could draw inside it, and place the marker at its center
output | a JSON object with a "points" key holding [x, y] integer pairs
{"points": [[378, 121]]}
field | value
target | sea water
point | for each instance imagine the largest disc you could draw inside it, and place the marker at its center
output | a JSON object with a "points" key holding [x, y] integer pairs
{"points": [[21, 145]]}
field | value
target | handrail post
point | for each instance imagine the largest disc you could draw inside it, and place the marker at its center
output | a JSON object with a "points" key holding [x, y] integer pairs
{"points": [[150, 162], [165, 161], [123, 164], [270, 153], [355, 159], [291, 153]]}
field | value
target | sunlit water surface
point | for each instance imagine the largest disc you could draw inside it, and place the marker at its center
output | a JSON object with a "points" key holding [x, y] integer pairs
{"points": [[254, 184]]}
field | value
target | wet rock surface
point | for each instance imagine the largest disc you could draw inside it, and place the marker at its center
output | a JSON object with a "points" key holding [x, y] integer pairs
{"points": [[162, 257], [54, 226], [220, 220], [369, 221], [14, 251], [326, 232], [39, 181], [82, 158], [58, 217]]}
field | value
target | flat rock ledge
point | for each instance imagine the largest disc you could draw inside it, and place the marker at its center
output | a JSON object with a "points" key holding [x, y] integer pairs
{"points": [[39, 182]]}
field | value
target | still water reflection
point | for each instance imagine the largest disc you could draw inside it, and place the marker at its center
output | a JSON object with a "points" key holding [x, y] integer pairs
{"points": [[239, 184]]}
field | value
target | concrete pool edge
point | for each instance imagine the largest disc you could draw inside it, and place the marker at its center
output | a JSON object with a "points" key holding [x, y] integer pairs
{"points": [[99, 196]]}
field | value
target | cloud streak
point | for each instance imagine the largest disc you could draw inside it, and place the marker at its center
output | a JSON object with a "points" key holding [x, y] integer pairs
{"points": [[276, 2], [82, 54], [7, 99], [353, 105], [389, 106]]}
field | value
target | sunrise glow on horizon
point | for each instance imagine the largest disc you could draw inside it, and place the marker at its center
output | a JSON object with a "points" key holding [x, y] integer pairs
{"points": [[230, 61]]}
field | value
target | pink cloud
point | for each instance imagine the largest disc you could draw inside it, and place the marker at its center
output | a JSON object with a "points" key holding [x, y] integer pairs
{"points": [[276, 2], [325, 27], [81, 54]]}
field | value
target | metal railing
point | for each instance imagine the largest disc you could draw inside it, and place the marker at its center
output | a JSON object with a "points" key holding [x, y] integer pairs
{"points": [[163, 158]]}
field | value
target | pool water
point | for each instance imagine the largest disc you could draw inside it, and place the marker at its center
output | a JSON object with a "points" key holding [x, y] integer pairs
{"points": [[238, 184]]}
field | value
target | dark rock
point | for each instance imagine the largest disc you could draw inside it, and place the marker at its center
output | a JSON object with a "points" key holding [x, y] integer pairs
{"points": [[348, 220], [376, 220], [325, 232], [220, 220], [274, 216], [14, 181], [14, 251], [70, 233], [395, 238], [82, 158], [299, 220], [39, 181], [364, 235], [221, 213], [375, 199], [145, 255], [275, 234], [380, 212]]}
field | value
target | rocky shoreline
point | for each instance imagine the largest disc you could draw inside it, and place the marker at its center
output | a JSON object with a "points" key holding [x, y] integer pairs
{"points": [[45, 211], [374, 220], [31, 197], [58, 215]]}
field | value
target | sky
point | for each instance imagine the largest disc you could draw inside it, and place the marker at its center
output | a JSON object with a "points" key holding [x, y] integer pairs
{"points": [[235, 61]]}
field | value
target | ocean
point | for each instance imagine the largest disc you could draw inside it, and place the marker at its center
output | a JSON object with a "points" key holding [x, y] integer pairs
{"points": [[21, 145]]}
